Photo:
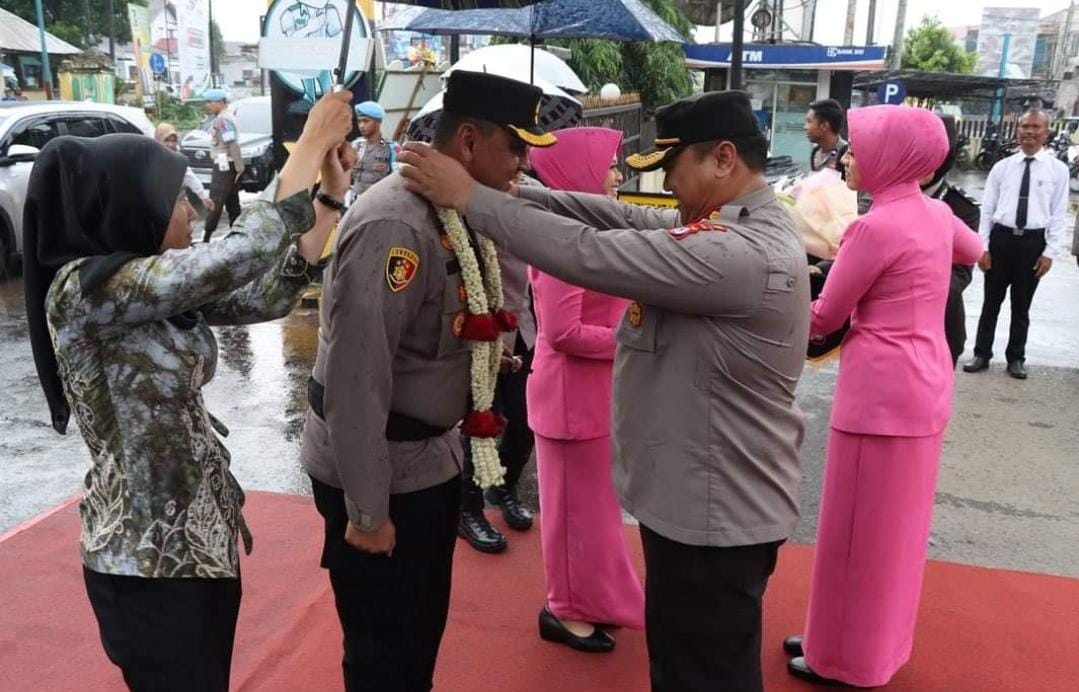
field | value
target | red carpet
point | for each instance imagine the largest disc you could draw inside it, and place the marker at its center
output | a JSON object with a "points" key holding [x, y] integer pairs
{"points": [[981, 630]]}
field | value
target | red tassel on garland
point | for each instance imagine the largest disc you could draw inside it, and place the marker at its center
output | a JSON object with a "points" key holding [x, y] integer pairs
{"points": [[480, 328], [507, 319], [483, 424]]}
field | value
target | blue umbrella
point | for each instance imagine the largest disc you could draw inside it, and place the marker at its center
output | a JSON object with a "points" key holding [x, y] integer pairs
{"points": [[616, 20]]}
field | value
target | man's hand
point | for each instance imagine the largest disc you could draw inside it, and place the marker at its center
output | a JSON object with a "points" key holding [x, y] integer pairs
{"points": [[985, 262], [329, 121], [337, 170], [381, 541], [208, 203], [1042, 266], [439, 178]]}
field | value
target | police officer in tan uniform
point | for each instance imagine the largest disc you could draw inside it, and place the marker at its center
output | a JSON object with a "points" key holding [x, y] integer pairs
{"points": [[390, 383], [706, 429]]}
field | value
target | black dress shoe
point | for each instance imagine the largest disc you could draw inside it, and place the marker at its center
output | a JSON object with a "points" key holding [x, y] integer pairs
{"points": [[474, 528], [976, 364], [516, 515], [1017, 370], [792, 646], [551, 629], [798, 667]]}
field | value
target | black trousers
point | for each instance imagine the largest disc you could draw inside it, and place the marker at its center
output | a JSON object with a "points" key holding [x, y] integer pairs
{"points": [[225, 193], [703, 614], [393, 609], [1013, 259], [167, 634], [515, 447]]}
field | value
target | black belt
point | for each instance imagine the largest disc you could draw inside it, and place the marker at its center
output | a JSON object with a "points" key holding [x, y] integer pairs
{"points": [[399, 427], [1018, 231]]}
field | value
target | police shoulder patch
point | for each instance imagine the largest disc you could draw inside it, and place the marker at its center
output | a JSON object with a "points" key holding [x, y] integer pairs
{"points": [[401, 266], [681, 232]]}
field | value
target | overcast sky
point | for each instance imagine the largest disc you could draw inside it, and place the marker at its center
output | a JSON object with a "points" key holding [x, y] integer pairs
{"points": [[239, 18]]}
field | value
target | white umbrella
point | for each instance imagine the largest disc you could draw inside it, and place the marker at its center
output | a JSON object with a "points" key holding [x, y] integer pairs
{"points": [[514, 60], [558, 110]]}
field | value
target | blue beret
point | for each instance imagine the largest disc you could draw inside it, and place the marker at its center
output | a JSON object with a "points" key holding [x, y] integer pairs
{"points": [[215, 95], [370, 109]]}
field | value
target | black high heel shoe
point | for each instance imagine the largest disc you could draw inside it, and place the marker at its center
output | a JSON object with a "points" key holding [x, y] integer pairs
{"points": [[798, 667], [551, 629], [792, 646]]}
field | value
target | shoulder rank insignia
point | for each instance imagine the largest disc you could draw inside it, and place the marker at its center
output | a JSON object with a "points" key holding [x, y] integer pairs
{"points": [[696, 227], [401, 266]]}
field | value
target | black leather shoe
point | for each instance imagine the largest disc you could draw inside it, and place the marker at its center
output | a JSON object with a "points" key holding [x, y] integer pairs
{"points": [[792, 646], [800, 669], [516, 515], [551, 629], [479, 533], [1017, 370], [976, 364]]}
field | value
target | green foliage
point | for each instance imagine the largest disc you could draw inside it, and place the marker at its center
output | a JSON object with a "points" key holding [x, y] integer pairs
{"points": [[930, 47], [67, 19], [219, 47], [183, 115], [656, 70]]}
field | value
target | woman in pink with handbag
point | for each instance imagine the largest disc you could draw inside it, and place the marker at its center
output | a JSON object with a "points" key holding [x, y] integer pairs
{"points": [[892, 402], [591, 581]]}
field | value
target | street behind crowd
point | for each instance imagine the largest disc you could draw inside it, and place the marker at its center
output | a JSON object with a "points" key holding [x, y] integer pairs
{"points": [[1008, 494]]}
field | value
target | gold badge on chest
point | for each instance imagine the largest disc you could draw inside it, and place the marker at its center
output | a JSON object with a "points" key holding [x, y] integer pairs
{"points": [[635, 314]]}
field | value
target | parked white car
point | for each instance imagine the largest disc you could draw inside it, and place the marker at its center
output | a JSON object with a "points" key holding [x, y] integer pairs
{"points": [[25, 127]]}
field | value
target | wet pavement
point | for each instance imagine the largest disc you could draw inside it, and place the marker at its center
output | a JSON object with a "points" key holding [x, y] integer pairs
{"points": [[1008, 494]]}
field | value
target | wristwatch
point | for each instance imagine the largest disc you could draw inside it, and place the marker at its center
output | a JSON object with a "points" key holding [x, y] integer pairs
{"points": [[339, 207], [296, 266]]}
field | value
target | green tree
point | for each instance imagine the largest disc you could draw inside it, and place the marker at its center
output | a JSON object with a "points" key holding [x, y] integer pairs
{"points": [[67, 19], [655, 70], [219, 47], [931, 47]]}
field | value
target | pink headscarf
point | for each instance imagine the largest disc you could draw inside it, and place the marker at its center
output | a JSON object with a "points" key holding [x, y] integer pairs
{"points": [[895, 145], [580, 160]]}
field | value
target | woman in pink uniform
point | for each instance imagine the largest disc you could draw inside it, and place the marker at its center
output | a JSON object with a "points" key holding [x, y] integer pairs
{"points": [[590, 578], [892, 402]]}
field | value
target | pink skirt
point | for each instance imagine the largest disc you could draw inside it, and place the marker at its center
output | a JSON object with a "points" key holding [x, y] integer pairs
{"points": [[875, 516], [589, 574]]}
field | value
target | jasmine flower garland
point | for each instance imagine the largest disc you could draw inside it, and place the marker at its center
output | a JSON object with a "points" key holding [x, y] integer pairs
{"points": [[482, 328]]}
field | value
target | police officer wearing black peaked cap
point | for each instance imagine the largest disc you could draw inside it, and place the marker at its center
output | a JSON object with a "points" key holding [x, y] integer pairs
{"points": [[705, 426], [391, 382]]}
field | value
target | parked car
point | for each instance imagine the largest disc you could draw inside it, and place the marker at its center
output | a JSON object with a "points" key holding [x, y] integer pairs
{"points": [[255, 125], [25, 127]]}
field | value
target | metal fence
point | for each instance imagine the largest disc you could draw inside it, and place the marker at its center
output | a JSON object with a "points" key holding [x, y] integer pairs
{"points": [[628, 118]]}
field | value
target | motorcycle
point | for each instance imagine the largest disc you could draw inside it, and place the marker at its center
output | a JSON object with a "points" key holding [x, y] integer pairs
{"points": [[993, 149], [962, 155]]}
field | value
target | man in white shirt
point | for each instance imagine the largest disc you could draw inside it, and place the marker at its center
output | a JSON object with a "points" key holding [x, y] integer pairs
{"points": [[1022, 225]]}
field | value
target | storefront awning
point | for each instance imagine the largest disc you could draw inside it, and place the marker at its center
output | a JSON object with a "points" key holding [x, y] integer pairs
{"points": [[787, 56]]}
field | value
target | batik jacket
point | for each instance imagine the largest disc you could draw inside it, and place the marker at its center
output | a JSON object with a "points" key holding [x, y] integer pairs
{"points": [[159, 498]]}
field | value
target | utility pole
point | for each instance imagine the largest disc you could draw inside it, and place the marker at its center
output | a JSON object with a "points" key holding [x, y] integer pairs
{"points": [[848, 33], [809, 19], [1063, 41], [86, 12], [112, 32], [213, 48], [872, 23], [897, 39], [737, 43], [46, 70]]}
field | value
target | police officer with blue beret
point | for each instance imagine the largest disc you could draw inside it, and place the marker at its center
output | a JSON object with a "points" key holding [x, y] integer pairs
{"points": [[375, 157], [228, 162]]}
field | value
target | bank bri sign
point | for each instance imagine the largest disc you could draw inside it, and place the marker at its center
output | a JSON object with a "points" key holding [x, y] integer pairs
{"points": [[787, 55]]}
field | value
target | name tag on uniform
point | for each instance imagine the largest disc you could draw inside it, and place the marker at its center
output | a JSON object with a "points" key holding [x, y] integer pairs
{"points": [[222, 161]]}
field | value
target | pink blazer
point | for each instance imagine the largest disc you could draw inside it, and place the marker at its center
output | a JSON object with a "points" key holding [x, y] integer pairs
{"points": [[891, 276], [569, 390]]}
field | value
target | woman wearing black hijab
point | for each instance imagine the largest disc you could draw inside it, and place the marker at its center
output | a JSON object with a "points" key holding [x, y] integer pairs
{"points": [[120, 308]]}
